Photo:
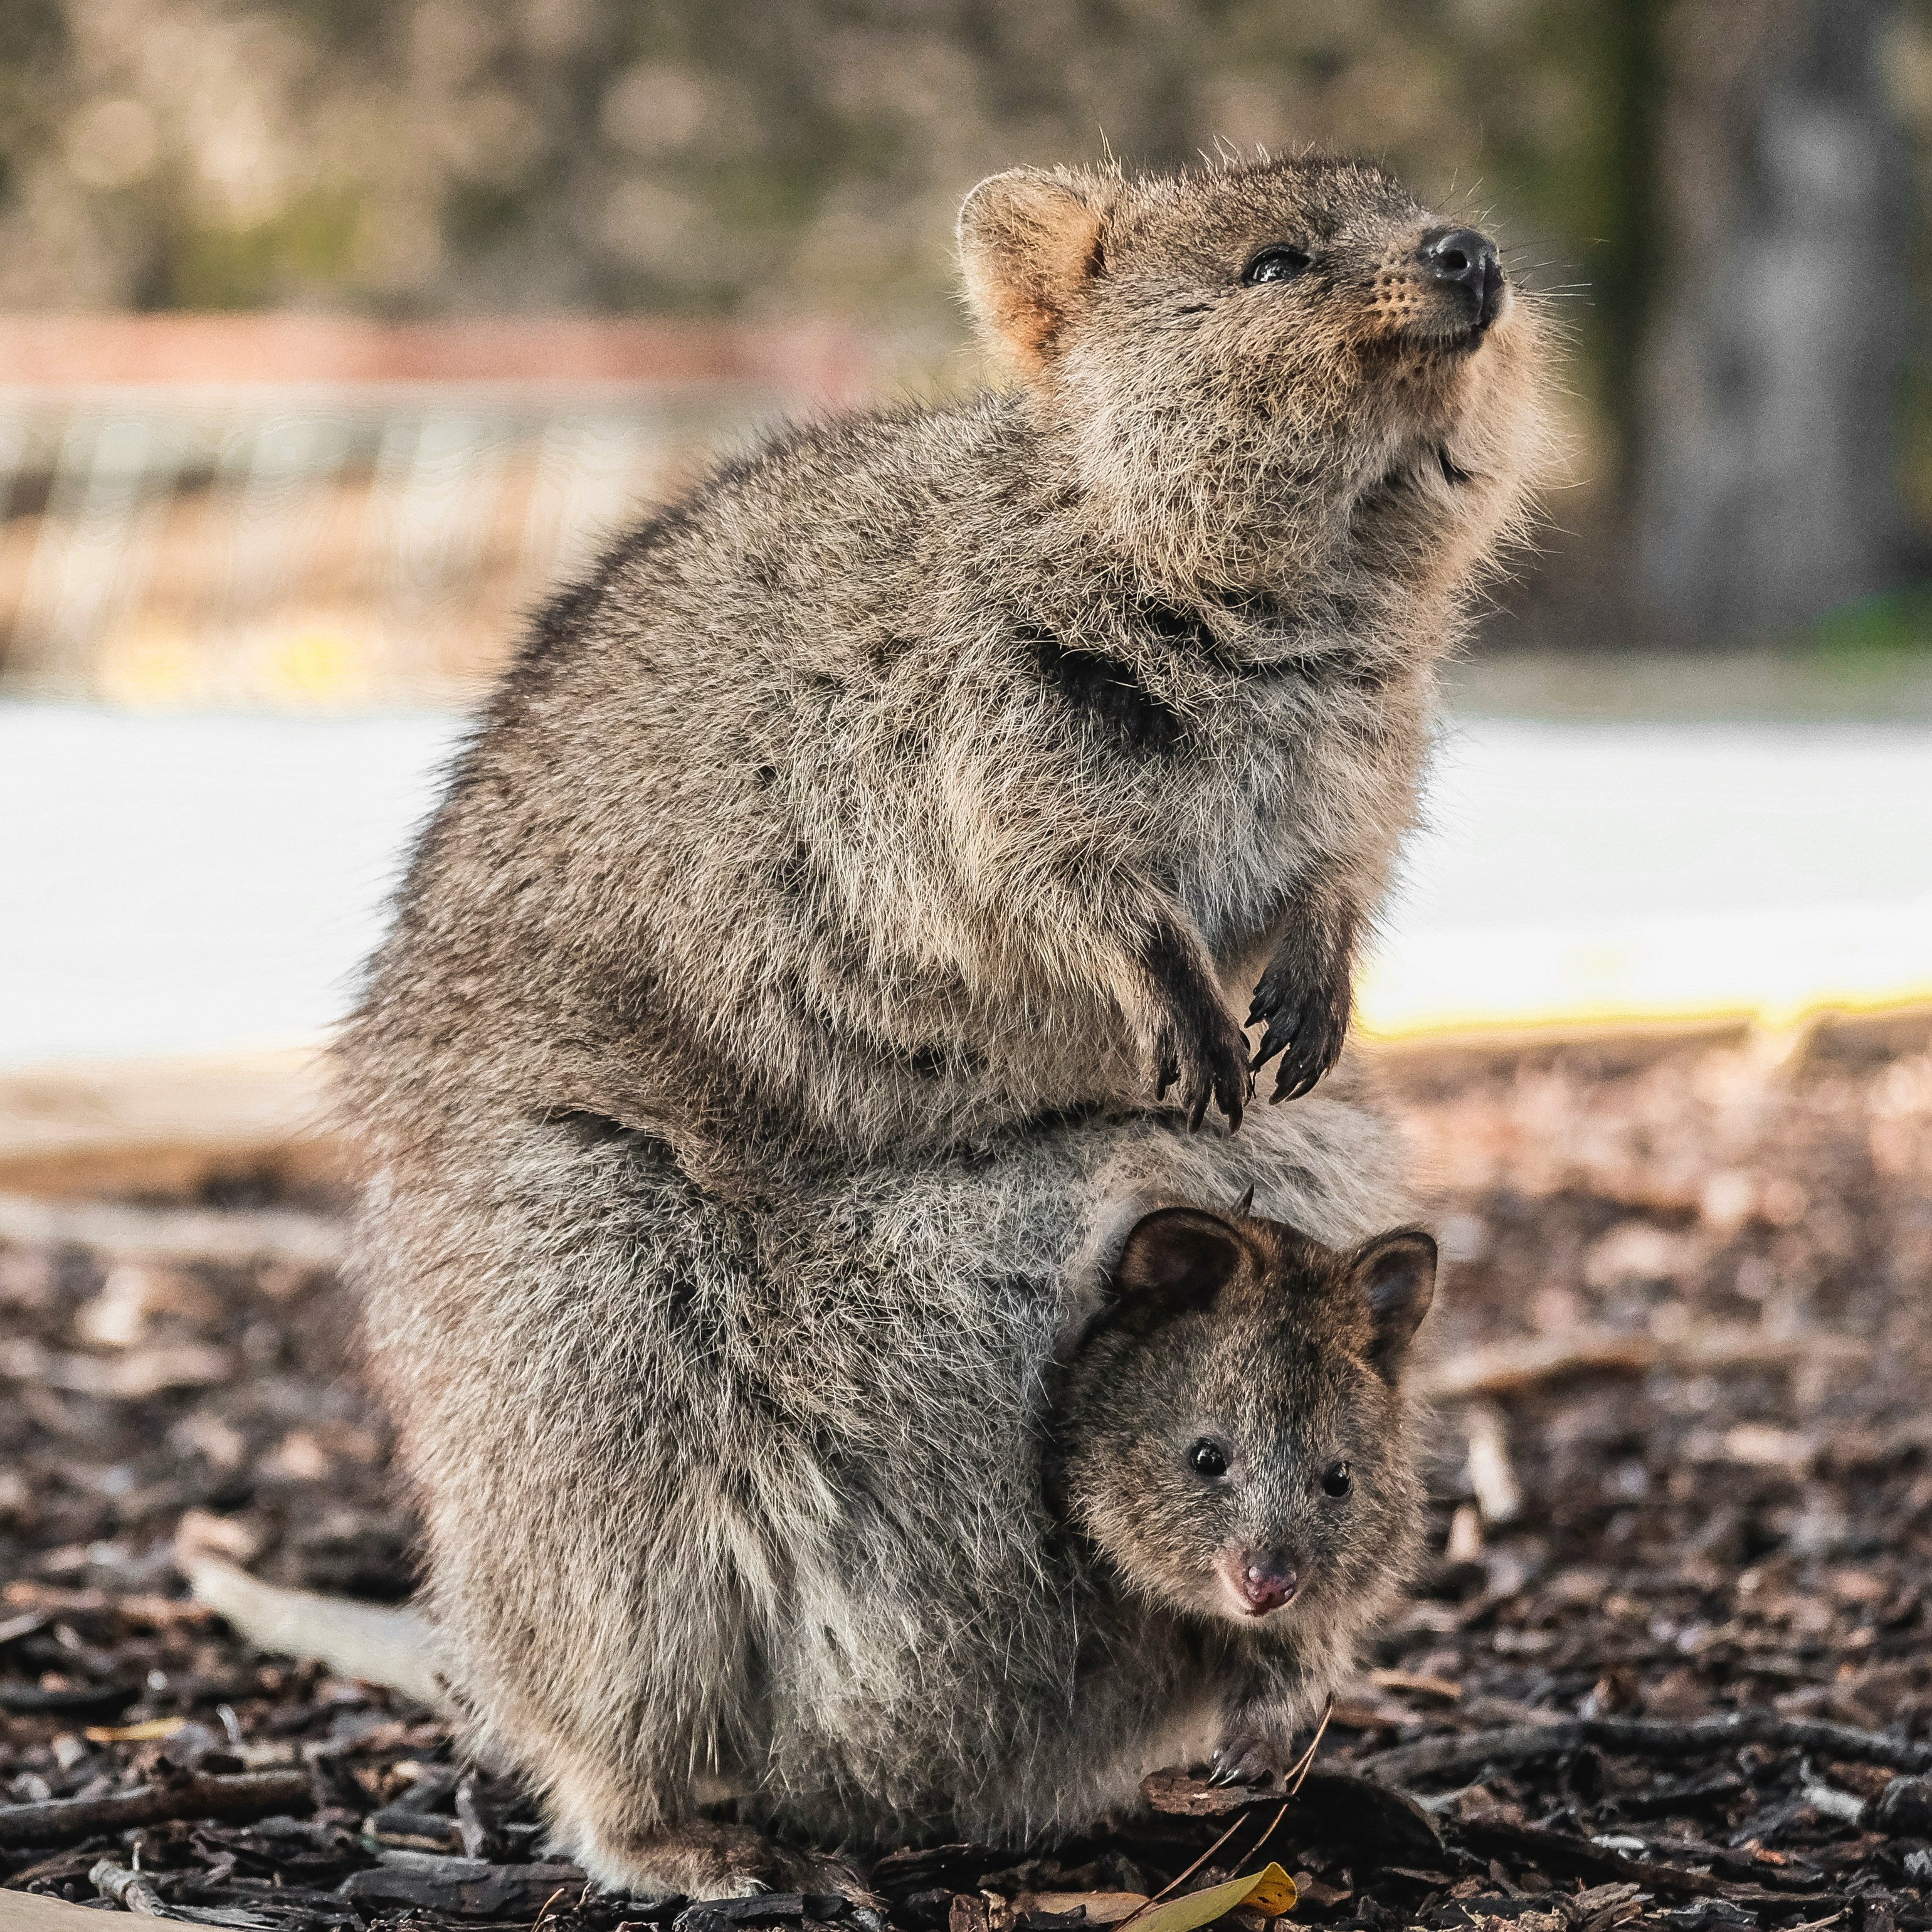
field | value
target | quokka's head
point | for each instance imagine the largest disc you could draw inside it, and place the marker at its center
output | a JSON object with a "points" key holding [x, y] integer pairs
{"points": [[1232, 1433], [1262, 368]]}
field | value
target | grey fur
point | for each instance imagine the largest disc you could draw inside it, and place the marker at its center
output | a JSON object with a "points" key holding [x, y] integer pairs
{"points": [[744, 1504], [929, 770], [926, 779]]}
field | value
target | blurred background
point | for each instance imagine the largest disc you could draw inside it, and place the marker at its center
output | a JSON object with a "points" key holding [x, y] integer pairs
{"points": [[331, 332]]}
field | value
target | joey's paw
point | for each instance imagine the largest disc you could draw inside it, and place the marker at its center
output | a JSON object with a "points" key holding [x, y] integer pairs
{"points": [[1307, 1028], [1245, 1757], [1211, 1067]]}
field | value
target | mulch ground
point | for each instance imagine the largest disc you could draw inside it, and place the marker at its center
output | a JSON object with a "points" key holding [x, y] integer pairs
{"points": [[1670, 1661]]}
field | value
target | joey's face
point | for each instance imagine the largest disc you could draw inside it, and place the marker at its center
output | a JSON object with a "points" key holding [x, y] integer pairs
{"points": [[1236, 1441], [1262, 349]]}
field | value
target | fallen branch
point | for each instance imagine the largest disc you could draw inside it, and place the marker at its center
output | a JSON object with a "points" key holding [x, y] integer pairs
{"points": [[1469, 1752], [470, 1888], [1505, 1368], [129, 1377], [234, 1240], [147, 1612], [1558, 1853], [251, 1794]]}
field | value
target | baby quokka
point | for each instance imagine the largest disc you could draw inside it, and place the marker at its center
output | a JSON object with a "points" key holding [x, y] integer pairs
{"points": [[1233, 1440], [929, 770]]}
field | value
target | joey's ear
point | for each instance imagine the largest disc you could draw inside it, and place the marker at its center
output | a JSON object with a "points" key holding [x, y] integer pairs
{"points": [[1395, 1274], [1177, 1254], [1029, 243]]}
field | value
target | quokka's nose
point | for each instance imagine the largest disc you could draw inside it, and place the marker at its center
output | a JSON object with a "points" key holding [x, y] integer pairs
{"points": [[1463, 256], [1268, 1580]]}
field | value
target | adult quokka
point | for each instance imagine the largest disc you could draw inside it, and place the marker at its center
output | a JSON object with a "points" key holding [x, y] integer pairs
{"points": [[949, 1500], [929, 770]]}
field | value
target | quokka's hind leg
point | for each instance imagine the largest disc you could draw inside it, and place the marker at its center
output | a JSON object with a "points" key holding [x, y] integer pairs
{"points": [[704, 1858]]}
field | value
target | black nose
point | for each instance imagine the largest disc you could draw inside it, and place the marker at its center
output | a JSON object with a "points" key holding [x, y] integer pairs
{"points": [[1462, 256]]}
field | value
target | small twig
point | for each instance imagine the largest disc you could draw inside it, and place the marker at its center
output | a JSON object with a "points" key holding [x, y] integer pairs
{"points": [[252, 1794], [1297, 1772], [1239, 1820], [1504, 1368], [1499, 1495], [127, 1889], [1642, 1737]]}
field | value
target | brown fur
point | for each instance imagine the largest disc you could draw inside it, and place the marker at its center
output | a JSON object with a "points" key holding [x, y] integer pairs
{"points": [[1283, 1358], [930, 770]]}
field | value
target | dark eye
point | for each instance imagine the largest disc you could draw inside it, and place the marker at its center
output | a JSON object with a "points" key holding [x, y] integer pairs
{"points": [[1207, 1458], [1336, 1479], [1275, 264]]}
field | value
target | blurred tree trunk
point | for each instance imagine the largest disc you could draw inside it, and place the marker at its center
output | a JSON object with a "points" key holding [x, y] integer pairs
{"points": [[1776, 319]]}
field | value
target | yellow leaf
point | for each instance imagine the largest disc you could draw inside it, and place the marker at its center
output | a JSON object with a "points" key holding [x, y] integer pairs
{"points": [[133, 1734], [1269, 1891]]}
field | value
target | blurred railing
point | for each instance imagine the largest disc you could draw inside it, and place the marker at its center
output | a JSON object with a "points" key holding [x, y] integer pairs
{"points": [[305, 510]]}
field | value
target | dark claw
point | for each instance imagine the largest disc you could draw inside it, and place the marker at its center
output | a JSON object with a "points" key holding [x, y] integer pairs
{"points": [[1280, 1034], [1226, 1085], [1233, 1096], [1315, 1050], [1169, 1072], [1241, 1760]]}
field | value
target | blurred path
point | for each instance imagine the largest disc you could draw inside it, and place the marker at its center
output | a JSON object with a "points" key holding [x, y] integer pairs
{"points": [[187, 883], [172, 884], [1619, 871]]}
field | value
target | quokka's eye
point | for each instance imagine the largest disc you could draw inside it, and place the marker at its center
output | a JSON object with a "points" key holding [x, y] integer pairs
{"points": [[1207, 1458], [1336, 1478], [1279, 264]]}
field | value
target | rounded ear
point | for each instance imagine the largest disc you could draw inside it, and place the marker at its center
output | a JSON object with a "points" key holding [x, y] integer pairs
{"points": [[1029, 243], [1178, 1255], [1395, 1274]]}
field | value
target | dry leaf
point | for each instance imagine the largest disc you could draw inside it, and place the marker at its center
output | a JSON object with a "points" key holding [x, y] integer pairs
{"points": [[1270, 1891]]}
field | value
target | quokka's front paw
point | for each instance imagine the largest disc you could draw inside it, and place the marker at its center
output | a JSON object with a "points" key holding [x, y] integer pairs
{"points": [[1306, 1022], [1207, 1054]]}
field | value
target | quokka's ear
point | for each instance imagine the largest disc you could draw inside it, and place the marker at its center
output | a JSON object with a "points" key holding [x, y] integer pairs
{"points": [[1029, 245], [1177, 1257], [1395, 1274]]}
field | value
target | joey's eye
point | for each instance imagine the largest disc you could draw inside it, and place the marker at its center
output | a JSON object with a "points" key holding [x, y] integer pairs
{"points": [[1207, 1458], [1336, 1478], [1275, 264]]}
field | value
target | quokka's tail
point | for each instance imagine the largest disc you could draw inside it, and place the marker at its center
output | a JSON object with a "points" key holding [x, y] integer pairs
{"points": [[394, 1648]]}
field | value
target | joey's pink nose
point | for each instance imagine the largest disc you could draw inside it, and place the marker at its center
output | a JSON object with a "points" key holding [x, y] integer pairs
{"points": [[1267, 1580]]}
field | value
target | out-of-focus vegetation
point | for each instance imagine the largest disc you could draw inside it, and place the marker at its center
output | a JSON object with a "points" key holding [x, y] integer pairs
{"points": [[805, 158], [802, 156]]}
